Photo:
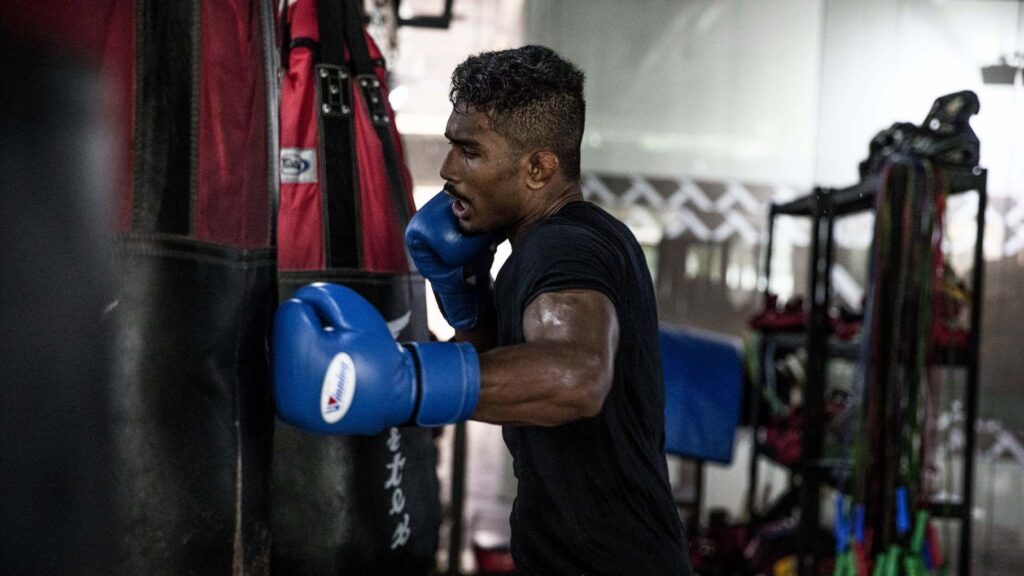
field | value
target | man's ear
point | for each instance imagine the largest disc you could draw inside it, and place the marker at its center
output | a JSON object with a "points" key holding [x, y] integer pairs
{"points": [[541, 167]]}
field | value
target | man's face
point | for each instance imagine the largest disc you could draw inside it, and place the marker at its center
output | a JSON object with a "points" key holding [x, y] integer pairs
{"points": [[483, 173]]}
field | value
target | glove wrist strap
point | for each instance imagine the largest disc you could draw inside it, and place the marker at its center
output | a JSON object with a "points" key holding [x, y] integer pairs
{"points": [[447, 381]]}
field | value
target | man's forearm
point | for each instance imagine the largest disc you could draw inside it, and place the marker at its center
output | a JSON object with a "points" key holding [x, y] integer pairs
{"points": [[541, 384]]}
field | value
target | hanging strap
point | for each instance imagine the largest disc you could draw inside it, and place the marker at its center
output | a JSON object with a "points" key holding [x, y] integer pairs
{"points": [[166, 105], [339, 168]]}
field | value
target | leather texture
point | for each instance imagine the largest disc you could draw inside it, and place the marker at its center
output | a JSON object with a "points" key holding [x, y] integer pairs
{"points": [[192, 413]]}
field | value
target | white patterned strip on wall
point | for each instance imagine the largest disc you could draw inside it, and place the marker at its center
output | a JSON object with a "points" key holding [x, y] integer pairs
{"points": [[741, 210]]}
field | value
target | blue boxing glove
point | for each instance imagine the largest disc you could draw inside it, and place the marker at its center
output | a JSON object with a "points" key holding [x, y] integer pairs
{"points": [[338, 370], [458, 265]]}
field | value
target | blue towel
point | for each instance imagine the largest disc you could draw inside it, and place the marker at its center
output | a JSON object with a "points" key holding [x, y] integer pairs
{"points": [[703, 392]]}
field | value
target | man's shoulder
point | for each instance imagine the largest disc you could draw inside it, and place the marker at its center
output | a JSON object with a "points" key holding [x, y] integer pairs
{"points": [[582, 211], [593, 218]]}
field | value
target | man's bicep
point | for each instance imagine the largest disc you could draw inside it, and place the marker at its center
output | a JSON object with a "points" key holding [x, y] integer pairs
{"points": [[562, 372], [584, 318]]}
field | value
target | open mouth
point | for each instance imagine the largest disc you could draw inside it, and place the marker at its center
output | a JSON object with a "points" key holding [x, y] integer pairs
{"points": [[459, 208], [459, 205]]}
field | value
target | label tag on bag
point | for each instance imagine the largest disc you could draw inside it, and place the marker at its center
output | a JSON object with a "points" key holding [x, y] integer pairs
{"points": [[298, 165]]}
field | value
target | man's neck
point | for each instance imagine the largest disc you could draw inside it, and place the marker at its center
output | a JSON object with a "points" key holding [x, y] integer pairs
{"points": [[551, 205]]}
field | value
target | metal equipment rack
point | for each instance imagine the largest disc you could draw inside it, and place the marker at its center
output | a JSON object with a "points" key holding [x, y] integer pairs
{"points": [[822, 207]]}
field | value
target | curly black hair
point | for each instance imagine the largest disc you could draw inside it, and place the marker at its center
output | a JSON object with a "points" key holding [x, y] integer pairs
{"points": [[533, 97]]}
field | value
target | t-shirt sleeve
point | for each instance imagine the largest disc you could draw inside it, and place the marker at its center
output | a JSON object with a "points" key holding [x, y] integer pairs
{"points": [[566, 257]]}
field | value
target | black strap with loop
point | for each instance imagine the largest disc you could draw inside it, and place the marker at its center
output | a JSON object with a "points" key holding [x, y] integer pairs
{"points": [[339, 168]]}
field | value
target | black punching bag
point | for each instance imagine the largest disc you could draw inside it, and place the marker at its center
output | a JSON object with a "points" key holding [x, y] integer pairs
{"points": [[358, 505], [352, 505], [55, 482]]}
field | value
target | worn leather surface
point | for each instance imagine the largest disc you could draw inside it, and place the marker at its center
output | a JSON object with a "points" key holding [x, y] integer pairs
{"points": [[192, 410]]}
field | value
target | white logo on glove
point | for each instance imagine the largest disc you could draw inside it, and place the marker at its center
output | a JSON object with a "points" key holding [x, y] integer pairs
{"points": [[338, 388]]}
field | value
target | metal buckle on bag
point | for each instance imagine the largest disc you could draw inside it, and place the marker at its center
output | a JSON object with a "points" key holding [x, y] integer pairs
{"points": [[333, 95], [373, 95]]}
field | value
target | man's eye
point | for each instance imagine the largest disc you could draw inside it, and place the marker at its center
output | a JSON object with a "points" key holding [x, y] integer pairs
{"points": [[469, 153]]}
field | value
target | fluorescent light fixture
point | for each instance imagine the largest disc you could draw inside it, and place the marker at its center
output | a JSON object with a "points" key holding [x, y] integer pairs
{"points": [[1001, 73]]}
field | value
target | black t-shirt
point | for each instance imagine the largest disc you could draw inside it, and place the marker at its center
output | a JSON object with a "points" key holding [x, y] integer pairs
{"points": [[594, 496]]}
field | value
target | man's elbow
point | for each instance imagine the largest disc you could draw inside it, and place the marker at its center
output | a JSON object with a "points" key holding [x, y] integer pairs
{"points": [[591, 406], [592, 390]]}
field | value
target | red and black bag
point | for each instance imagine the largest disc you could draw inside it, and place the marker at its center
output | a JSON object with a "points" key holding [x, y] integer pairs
{"points": [[193, 206], [352, 505], [346, 193], [139, 385]]}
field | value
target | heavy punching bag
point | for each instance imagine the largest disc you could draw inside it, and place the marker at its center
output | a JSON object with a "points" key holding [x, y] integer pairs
{"points": [[55, 252], [347, 505], [192, 415]]}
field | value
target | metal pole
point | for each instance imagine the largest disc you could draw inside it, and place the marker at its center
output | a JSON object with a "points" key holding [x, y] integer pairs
{"points": [[974, 343], [457, 499]]}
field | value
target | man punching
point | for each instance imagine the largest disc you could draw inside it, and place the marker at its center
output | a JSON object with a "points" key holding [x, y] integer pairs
{"points": [[562, 350]]}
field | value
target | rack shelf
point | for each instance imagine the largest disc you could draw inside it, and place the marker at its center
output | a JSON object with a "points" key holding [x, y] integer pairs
{"points": [[790, 341], [850, 349], [861, 196]]}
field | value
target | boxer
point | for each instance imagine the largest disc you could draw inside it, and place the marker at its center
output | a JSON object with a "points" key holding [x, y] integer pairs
{"points": [[561, 349]]}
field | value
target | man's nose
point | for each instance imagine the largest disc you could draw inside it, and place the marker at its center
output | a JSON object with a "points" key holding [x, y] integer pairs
{"points": [[446, 172]]}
